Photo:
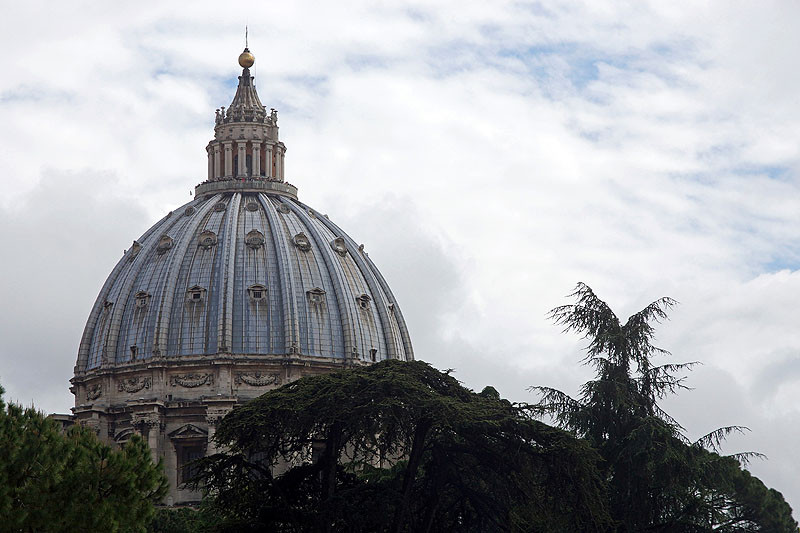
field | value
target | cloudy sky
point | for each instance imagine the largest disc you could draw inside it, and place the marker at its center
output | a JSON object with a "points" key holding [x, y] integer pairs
{"points": [[490, 155]]}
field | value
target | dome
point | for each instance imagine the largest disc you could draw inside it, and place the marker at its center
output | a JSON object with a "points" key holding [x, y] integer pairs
{"points": [[243, 289], [244, 274]]}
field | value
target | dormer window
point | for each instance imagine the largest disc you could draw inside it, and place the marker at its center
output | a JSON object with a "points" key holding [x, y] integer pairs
{"points": [[316, 296], [363, 301], [164, 244], [196, 294], [220, 206], [257, 292], [339, 246], [251, 206], [301, 241], [373, 354], [141, 299], [207, 239], [189, 211], [134, 351]]}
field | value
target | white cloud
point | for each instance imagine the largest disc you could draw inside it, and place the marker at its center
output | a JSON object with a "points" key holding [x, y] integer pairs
{"points": [[510, 150]]}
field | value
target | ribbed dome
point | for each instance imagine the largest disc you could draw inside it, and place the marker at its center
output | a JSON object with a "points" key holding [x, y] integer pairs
{"points": [[243, 274]]}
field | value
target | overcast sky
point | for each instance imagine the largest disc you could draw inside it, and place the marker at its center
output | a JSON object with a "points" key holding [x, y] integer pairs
{"points": [[490, 155]]}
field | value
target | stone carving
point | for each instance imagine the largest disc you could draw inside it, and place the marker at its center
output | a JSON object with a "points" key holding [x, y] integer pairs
{"points": [[134, 250], [256, 379], [339, 246], [220, 206], [189, 211], [164, 244], [251, 206], [93, 392], [301, 241], [254, 239], [191, 381], [134, 384], [316, 296], [207, 239], [363, 301], [141, 299]]}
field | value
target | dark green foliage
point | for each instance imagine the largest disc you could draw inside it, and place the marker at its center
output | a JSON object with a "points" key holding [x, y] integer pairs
{"points": [[182, 520], [657, 480], [398, 446], [51, 481]]}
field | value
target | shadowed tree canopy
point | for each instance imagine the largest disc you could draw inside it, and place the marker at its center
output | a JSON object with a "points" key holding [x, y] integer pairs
{"points": [[657, 479], [398, 446], [56, 482]]}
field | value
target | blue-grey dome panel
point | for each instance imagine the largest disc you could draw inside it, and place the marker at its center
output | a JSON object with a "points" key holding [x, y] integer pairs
{"points": [[244, 273]]}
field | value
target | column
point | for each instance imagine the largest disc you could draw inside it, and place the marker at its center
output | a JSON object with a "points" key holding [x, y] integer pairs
{"points": [[210, 151], [278, 161], [269, 160], [283, 165], [242, 170], [217, 161], [256, 158], [228, 158]]}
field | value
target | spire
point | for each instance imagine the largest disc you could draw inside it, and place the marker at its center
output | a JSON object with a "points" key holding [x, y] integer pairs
{"points": [[246, 106]]}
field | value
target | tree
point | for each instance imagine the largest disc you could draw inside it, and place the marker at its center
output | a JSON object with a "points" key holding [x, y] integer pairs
{"points": [[657, 479], [54, 481], [397, 446]]}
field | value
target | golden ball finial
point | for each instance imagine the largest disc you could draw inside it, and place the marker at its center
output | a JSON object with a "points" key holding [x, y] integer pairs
{"points": [[246, 59]]}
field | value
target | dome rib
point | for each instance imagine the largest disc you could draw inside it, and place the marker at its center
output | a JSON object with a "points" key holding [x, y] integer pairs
{"points": [[347, 316], [380, 304], [285, 274], [94, 315], [177, 253], [225, 335]]}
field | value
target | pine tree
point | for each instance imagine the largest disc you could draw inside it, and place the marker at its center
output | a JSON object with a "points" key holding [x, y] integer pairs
{"points": [[657, 479]]}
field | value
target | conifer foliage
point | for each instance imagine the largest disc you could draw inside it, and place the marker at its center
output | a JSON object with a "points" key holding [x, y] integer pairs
{"points": [[657, 479], [64, 482], [398, 446]]}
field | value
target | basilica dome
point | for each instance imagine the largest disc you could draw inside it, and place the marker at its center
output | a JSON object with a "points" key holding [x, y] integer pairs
{"points": [[243, 289]]}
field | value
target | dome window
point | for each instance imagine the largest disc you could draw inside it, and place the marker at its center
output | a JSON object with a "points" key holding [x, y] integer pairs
{"points": [[220, 206], [251, 206], [141, 299], [164, 244], [134, 351], [301, 241], [283, 208], [339, 246], [373, 354], [363, 301], [257, 292], [189, 211], [207, 239], [316, 296], [196, 294], [254, 239]]}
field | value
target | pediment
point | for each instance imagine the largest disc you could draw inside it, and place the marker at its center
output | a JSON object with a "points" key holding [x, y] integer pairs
{"points": [[189, 431]]}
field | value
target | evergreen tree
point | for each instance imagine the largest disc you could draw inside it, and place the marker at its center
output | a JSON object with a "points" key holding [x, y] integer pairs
{"points": [[657, 479], [398, 446], [52, 481]]}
